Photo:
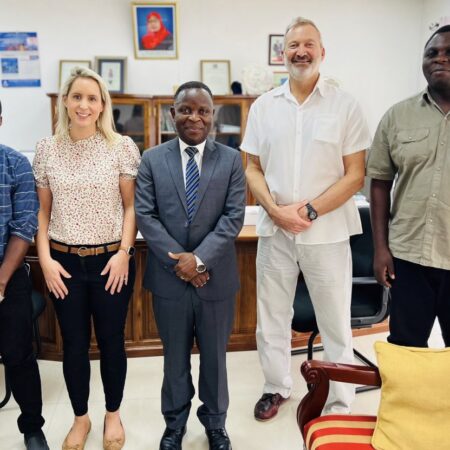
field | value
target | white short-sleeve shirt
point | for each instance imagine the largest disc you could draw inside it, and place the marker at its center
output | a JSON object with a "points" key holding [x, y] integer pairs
{"points": [[300, 147]]}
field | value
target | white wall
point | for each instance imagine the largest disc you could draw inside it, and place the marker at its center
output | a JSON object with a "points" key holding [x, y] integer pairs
{"points": [[373, 47]]}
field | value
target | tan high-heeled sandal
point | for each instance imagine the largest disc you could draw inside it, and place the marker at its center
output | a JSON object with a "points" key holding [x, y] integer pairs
{"points": [[80, 446]]}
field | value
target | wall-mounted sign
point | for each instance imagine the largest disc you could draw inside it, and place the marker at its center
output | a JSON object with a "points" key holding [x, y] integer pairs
{"points": [[19, 59]]}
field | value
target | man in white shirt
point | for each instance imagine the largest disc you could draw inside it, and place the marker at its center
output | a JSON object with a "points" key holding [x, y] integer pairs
{"points": [[306, 142]]}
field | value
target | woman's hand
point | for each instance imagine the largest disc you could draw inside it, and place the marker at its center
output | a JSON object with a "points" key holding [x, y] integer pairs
{"points": [[118, 272], [53, 271]]}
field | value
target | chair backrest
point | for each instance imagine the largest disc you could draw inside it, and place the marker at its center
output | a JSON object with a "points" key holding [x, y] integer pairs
{"points": [[362, 246]]}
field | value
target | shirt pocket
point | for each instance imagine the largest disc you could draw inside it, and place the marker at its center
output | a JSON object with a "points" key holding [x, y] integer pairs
{"points": [[326, 129], [413, 144]]}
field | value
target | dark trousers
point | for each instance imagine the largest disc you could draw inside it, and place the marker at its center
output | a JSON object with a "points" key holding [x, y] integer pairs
{"points": [[87, 298], [17, 352], [419, 294], [179, 322]]}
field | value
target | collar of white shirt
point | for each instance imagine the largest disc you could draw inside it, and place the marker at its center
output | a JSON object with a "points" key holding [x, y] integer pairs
{"points": [[285, 89], [200, 147]]}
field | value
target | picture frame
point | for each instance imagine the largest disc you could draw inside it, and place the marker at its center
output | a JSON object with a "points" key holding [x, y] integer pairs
{"points": [[66, 65], [279, 78], [276, 45], [155, 30], [113, 70], [216, 74]]}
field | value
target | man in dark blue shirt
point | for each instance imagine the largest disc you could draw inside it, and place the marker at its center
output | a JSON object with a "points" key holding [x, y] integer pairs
{"points": [[18, 225]]}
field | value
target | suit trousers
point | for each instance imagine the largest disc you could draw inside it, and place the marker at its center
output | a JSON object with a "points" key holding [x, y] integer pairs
{"points": [[17, 352], [88, 299], [327, 270], [180, 321], [419, 295]]}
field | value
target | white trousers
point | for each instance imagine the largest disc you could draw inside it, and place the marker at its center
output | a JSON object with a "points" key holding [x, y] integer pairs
{"points": [[327, 269]]}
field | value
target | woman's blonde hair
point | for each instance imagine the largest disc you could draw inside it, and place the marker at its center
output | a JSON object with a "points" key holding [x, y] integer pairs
{"points": [[105, 122]]}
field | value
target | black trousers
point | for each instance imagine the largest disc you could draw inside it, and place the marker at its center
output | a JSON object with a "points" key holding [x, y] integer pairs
{"points": [[419, 295], [88, 299], [179, 322], [17, 351]]}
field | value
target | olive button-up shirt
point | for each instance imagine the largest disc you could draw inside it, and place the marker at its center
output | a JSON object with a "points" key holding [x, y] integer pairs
{"points": [[412, 146]]}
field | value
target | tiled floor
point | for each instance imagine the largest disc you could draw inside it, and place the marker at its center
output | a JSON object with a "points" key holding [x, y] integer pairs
{"points": [[141, 406]]}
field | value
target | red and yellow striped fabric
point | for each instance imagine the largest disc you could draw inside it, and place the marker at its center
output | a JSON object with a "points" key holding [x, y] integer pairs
{"points": [[340, 432]]}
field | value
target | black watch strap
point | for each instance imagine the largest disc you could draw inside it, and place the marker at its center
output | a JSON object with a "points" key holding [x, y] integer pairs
{"points": [[312, 213]]}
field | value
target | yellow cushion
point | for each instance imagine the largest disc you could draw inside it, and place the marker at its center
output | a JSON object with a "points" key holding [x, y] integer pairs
{"points": [[414, 411]]}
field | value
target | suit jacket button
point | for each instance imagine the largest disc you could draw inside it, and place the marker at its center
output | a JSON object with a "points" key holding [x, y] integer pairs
{"points": [[186, 224]]}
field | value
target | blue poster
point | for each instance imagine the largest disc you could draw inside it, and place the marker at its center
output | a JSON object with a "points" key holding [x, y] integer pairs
{"points": [[19, 60]]}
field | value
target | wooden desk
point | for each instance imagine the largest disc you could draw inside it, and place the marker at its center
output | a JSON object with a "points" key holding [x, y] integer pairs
{"points": [[141, 334]]}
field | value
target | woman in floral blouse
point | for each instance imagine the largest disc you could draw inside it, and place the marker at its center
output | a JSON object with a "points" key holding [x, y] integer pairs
{"points": [[85, 176]]}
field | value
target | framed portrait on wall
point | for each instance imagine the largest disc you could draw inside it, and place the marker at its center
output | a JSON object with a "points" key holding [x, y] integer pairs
{"points": [[155, 30], [113, 71], [216, 75], [276, 42], [66, 65]]}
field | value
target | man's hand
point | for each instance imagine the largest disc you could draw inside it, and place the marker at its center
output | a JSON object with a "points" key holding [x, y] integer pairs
{"points": [[288, 218], [200, 279], [383, 267], [303, 213], [186, 266], [2, 288]]}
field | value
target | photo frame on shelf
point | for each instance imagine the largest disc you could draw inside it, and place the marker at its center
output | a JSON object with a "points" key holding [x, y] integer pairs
{"points": [[279, 78], [216, 74], [155, 32], [276, 45], [66, 65], [113, 70]]}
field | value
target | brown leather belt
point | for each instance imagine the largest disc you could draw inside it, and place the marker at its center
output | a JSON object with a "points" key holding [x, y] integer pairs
{"points": [[85, 251]]}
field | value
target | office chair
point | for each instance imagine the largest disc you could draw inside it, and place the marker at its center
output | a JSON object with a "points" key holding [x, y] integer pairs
{"points": [[370, 300], [38, 302]]}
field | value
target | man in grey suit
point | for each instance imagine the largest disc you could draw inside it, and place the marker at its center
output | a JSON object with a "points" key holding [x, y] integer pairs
{"points": [[190, 204]]}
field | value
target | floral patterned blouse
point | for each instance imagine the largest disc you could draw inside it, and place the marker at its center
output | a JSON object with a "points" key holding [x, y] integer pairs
{"points": [[83, 177]]}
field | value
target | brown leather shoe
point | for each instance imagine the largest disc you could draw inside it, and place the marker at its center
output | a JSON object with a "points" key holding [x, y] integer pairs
{"points": [[267, 406]]}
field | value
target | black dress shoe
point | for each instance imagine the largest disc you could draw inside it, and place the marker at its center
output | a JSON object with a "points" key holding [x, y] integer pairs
{"points": [[171, 439], [35, 441], [218, 439]]}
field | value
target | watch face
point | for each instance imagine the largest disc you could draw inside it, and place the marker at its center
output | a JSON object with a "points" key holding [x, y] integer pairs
{"points": [[201, 268], [312, 215], [131, 251]]}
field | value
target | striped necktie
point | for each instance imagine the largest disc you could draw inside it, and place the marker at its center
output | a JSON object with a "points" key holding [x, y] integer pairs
{"points": [[192, 181]]}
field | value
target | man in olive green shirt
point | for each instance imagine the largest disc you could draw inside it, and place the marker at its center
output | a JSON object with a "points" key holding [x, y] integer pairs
{"points": [[412, 239]]}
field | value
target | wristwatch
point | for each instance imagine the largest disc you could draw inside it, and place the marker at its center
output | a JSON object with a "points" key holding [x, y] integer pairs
{"points": [[130, 251], [201, 268], [312, 213]]}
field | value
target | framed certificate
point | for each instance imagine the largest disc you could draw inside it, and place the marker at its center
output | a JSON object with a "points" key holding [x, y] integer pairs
{"points": [[216, 75]]}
